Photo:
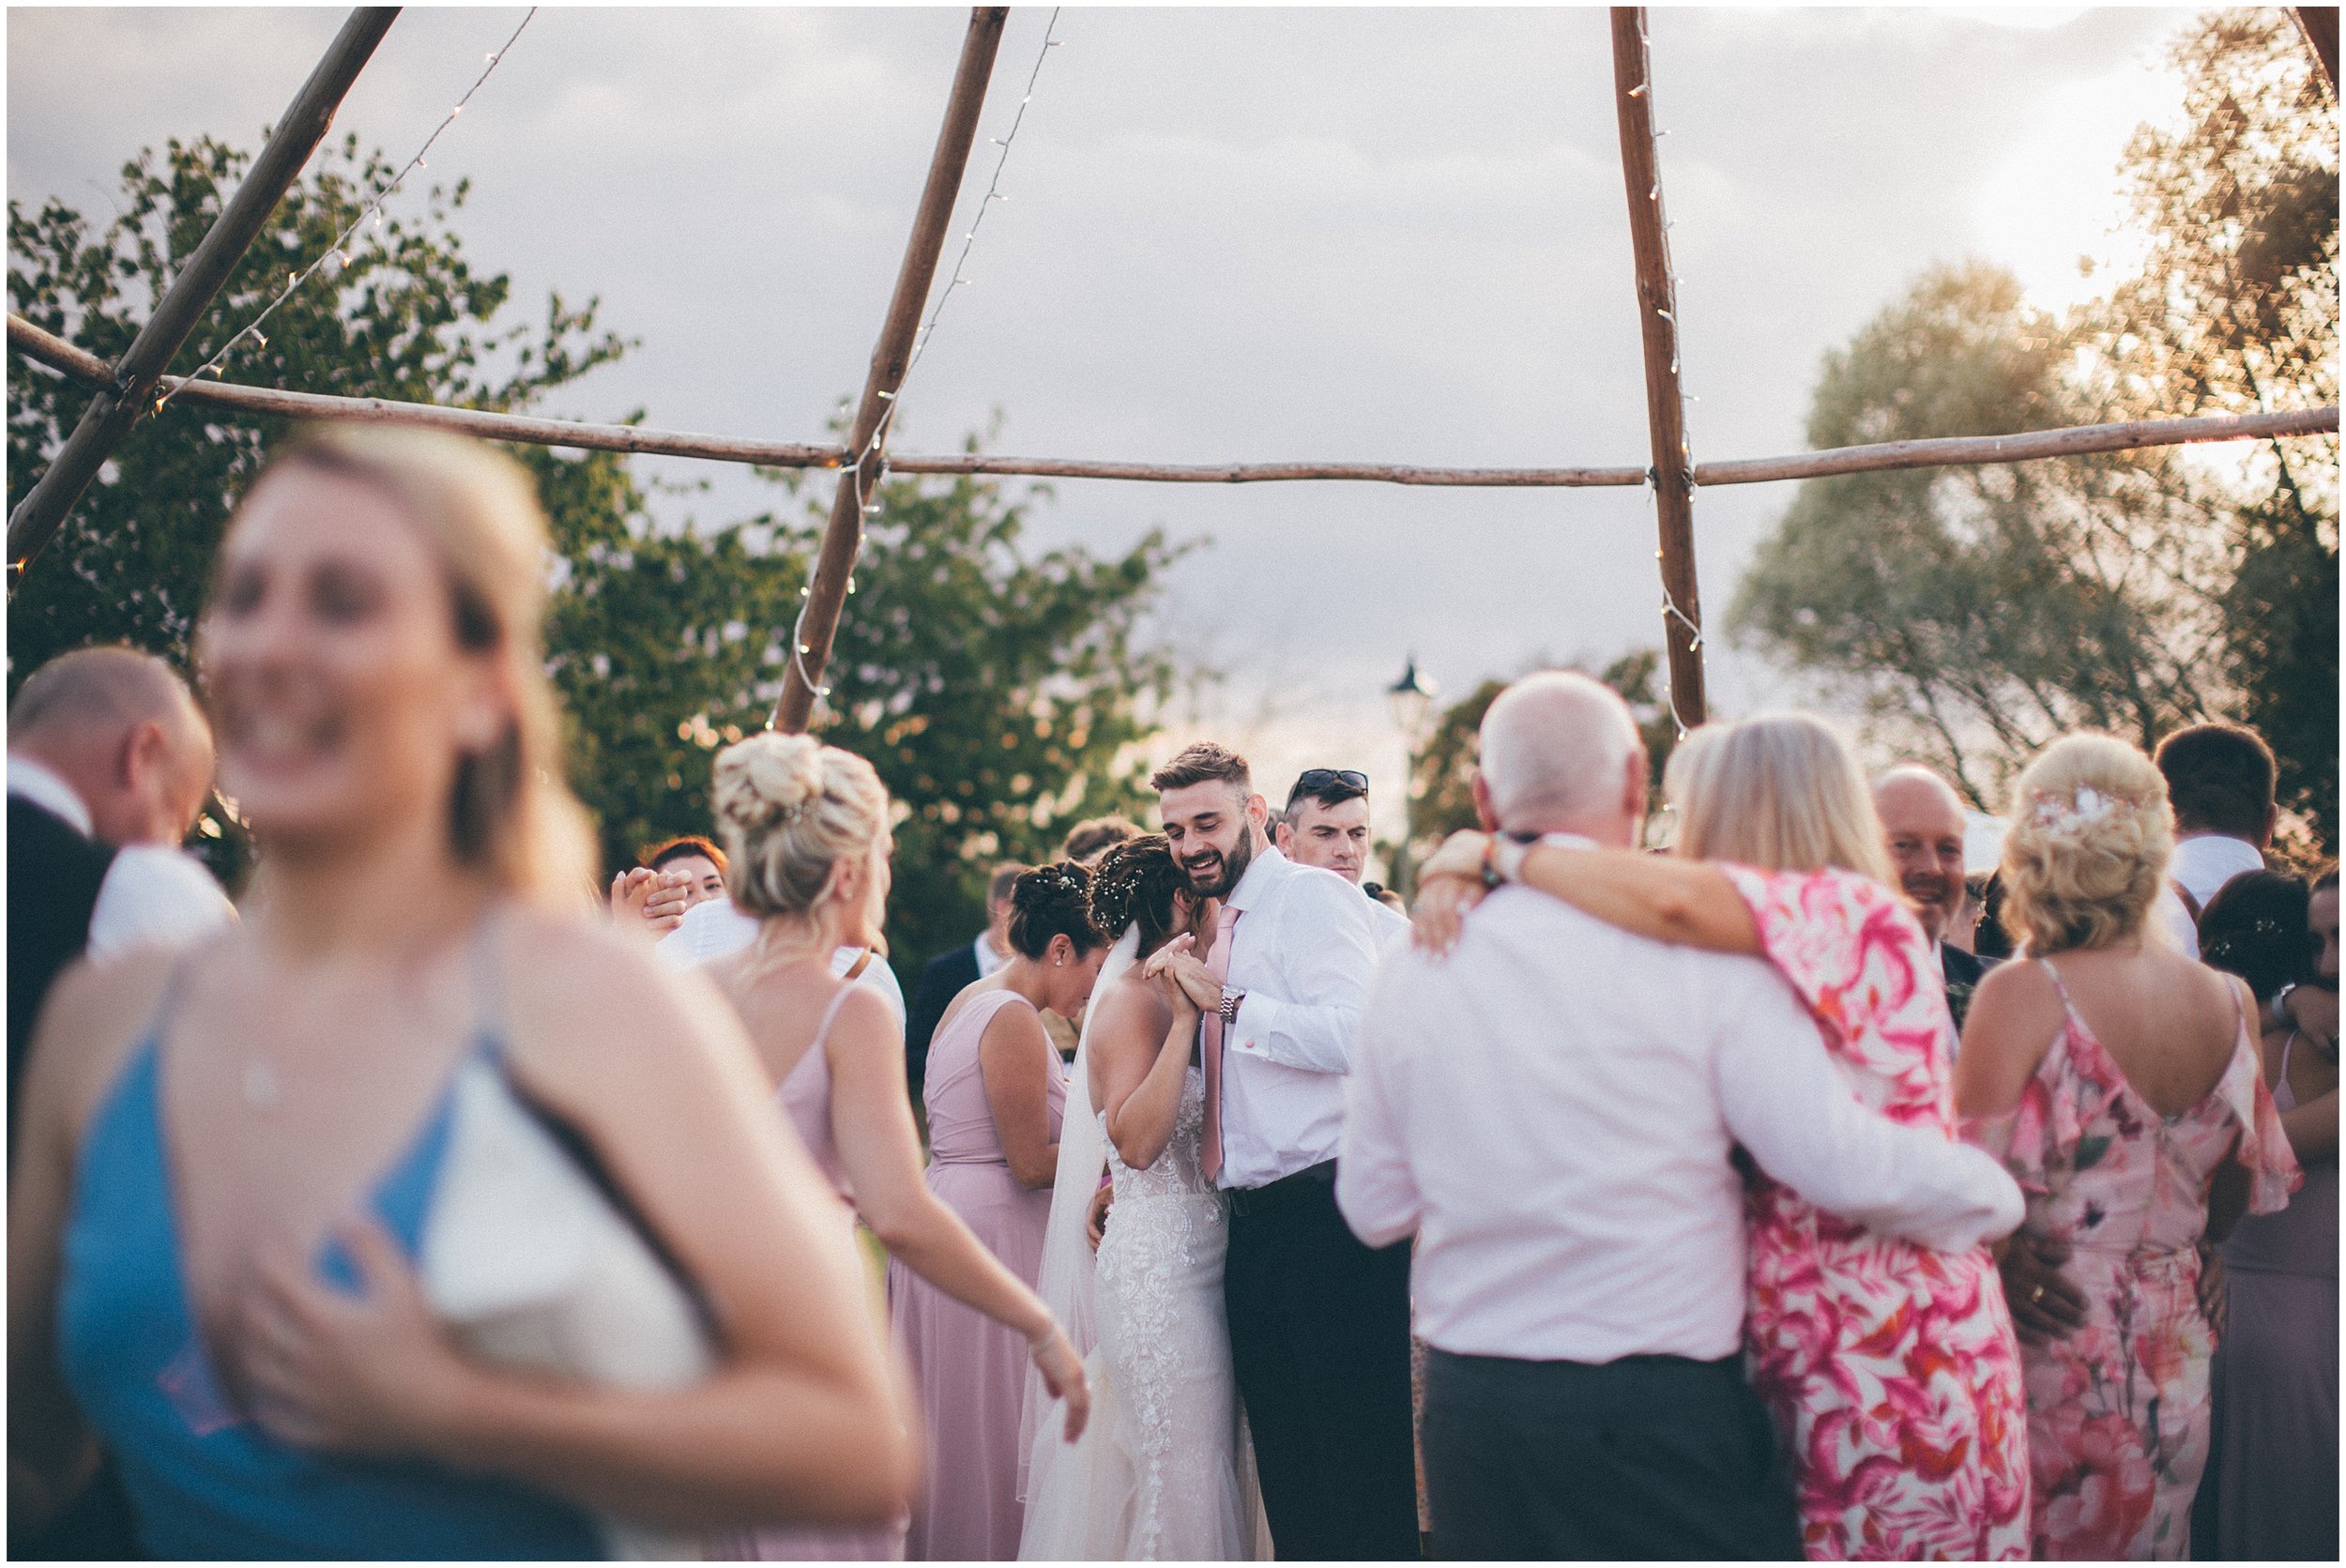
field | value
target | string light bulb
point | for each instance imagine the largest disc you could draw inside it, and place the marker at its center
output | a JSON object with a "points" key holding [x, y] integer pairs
{"points": [[374, 209]]}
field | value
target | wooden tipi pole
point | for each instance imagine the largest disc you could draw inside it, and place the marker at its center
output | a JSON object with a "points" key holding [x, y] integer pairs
{"points": [[843, 539], [116, 408], [1657, 325]]}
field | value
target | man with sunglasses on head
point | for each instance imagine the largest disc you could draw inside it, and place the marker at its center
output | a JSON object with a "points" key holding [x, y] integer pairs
{"points": [[1326, 825]]}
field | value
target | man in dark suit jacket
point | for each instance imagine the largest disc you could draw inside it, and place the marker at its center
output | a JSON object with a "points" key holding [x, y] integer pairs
{"points": [[1922, 823], [953, 971]]}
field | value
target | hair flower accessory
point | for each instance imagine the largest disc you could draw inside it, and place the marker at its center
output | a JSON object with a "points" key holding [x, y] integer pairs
{"points": [[2060, 818]]}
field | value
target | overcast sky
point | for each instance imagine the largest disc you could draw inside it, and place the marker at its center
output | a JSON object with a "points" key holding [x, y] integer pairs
{"points": [[1232, 235]]}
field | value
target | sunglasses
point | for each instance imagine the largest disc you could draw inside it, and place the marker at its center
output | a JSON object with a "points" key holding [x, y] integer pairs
{"points": [[1315, 779]]}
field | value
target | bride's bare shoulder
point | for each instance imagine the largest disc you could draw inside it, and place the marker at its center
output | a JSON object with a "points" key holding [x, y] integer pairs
{"points": [[1128, 1004]]}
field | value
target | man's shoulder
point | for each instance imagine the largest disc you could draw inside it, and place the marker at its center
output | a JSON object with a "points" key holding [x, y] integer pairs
{"points": [[1517, 925], [959, 957], [154, 873]]}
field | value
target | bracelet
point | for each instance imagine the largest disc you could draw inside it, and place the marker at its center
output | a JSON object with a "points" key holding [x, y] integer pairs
{"points": [[1508, 858], [1037, 1343]]}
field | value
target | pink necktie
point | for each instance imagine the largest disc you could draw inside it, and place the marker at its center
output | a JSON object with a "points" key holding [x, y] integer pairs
{"points": [[1218, 960]]}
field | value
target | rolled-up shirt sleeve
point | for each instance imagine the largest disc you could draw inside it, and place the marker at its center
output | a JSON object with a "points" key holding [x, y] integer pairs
{"points": [[1329, 961], [1787, 1103], [1376, 1188]]}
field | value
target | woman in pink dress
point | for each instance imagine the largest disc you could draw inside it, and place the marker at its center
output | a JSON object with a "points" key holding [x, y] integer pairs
{"points": [[806, 837], [993, 1092], [1891, 1369], [2120, 1083]]}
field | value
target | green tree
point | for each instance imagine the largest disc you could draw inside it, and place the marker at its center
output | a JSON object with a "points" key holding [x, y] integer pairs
{"points": [[406, 316], [998, 690], [1000, 693], [1443, 782], [1975, 613], [2234, 311]]}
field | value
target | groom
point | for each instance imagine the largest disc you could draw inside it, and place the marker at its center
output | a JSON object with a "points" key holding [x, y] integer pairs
{"points": [[1319, 1324]]}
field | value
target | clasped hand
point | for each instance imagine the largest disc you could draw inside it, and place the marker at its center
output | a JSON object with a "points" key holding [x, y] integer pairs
{"points": [[372, 1373], [1183, 979], [1448, 885]]}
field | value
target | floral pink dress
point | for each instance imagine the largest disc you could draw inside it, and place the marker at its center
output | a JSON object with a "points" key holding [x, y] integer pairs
{"points": [[2118, 1412], [1891, 1369]]}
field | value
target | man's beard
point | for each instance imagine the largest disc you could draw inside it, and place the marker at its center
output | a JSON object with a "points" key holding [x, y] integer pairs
{"points": [[1234, 865]]}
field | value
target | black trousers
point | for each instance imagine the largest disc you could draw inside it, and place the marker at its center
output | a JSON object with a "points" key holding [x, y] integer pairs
{"points": [[1646, 1457], [1319, 1338]]}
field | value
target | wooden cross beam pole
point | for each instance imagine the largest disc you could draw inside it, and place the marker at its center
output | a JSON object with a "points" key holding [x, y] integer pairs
{"points": [[1657, 325], [2027, 446], [843, 539], [131, 389], [2320, 25]]}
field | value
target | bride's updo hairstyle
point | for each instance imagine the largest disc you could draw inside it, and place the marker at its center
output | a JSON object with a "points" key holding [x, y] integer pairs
{"points": [[2086, 854], [1053, 901], [790, 809], [1135, 884]]}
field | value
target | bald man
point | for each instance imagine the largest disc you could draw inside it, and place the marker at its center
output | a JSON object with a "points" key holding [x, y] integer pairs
{"points": [[1562, 1149], [110, 762], [1922, 823]]}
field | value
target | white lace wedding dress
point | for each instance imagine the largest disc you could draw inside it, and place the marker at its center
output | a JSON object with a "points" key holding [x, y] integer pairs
{"points": [[1164, 1473]]}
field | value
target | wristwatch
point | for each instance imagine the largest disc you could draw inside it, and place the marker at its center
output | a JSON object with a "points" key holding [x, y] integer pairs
{"points": [[1502, 860], [1229, 1008]]}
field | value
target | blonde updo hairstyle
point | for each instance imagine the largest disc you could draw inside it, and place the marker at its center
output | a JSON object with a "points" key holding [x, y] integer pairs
{"points": [[789, 810], [511, 814], [1779, 790], [2086, 853]]}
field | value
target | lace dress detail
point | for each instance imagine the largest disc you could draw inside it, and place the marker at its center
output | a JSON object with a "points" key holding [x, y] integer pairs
{"points": [[1164, 1340]]}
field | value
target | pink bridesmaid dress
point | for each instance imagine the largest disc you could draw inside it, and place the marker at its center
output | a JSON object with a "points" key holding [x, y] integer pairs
{"points": [[805, 1099], [971, 1371]]}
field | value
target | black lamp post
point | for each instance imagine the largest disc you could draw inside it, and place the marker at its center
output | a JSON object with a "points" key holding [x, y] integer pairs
{"points": [[1412, 700]]}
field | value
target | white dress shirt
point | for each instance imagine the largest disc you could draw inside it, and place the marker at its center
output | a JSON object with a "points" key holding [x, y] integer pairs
{"points": [[152, 895], [1303, 953], [713, 928], [989, 960], [2202, 863], [1550, 1111], [1388, 926]]}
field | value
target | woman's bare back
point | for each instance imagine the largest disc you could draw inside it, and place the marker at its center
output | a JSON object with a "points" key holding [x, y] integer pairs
{"points": [[2170, 1024]]}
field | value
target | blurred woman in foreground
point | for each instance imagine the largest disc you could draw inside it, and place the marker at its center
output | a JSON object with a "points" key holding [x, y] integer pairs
{"points": [[283, 1200]]}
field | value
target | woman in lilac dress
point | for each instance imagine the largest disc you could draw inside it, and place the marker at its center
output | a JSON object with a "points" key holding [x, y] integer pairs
{"points": [[806, 837], [2271, 1488], [994, 1094]]}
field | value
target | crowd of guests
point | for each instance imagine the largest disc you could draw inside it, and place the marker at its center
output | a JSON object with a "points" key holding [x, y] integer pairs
{"points": [[1740, 1200]]}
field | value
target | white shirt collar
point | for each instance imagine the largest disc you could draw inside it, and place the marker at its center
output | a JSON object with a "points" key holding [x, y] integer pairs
{"points": [[1260, 873], [41, 786], [2205, 862], [989, 960]]}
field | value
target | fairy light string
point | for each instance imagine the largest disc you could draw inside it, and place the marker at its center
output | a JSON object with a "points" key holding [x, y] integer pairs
{"points": [[866, 507], [335, 253]]}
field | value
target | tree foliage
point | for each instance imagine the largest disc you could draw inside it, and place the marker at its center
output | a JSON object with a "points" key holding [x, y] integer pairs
{"points": [[2235, 311], [998, 690], [407, 317], [1443, 782], [999, 694], [1975, 613]]}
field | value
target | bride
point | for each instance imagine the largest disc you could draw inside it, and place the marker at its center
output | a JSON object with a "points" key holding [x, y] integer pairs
{"points": [[1164, 1471]]}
